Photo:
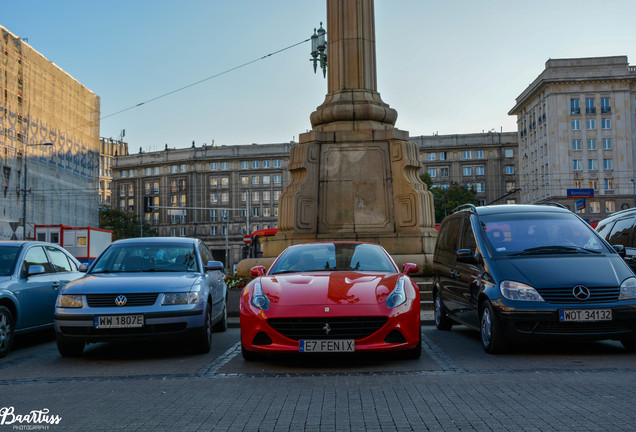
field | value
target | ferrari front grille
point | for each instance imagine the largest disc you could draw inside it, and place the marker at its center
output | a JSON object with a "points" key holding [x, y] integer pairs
{"points": [[327, 328]]}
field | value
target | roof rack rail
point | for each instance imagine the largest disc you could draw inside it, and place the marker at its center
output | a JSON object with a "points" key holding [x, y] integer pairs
{"points": [[470, 207], [554, 204]]}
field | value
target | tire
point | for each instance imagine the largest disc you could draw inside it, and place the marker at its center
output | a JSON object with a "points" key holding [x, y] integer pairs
{"points": [[250, 355], [493, 339], [70, 349], [6, 331], [204, 342], [629, 344], [221, 326], [414, 353], [442, 321]]}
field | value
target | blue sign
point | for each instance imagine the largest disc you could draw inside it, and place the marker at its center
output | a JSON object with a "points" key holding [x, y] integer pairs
{"points": [[580, 193], [580, 204]]}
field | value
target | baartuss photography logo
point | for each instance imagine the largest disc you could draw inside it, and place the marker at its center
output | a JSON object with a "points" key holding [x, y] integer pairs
{"points": [[33, 420]]}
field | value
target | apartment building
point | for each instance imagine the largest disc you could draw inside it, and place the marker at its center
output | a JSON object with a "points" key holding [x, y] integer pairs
{"points": [[109, 149], [216, 193], [486, 163], [576, 125]]}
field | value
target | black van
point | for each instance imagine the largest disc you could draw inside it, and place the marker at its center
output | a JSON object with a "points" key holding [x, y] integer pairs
{"points": [[518, 272], [618, 230]]}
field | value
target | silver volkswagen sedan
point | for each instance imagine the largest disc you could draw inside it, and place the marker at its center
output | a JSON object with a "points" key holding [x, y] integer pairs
{"points": [[31, 274], [144, 288]]}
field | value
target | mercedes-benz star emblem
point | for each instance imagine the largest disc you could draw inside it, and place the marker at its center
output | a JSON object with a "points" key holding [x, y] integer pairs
{"points": [[581, 292], [327, 328], [121, 300]]}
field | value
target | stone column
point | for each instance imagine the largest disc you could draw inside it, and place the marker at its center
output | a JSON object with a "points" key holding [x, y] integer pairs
{"points": [[355, 176]]}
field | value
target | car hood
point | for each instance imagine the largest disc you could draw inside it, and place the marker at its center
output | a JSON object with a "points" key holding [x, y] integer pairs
{"points": [[565, 271], [132, 282], [329, 288]]}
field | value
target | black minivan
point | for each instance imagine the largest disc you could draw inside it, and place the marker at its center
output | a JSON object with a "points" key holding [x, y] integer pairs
{"points": [[619, 230], [520, 272]]}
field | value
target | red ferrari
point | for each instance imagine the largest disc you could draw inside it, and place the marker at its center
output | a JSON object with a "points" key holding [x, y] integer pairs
{"points": [[331, 297]]}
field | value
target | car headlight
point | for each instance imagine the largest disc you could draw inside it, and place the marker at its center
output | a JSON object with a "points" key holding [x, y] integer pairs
{"points": [[180, 298], [69, 301], [519, 291], [259, 299], [397, 296], [628, 289]]}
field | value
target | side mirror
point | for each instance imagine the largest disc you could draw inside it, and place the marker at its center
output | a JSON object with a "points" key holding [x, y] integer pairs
{"points": [[82, 268], [467, 256], [214, 265], [410, 268], [620, 249], [35, 270], [257, 271]]}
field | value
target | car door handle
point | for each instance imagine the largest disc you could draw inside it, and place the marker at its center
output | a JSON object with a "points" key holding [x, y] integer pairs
{"points": [[56, 285]]}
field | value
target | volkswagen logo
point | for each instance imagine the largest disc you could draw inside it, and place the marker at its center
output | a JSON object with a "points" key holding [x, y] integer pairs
{"points": [[327, 329], [581, 292], [121, 300]]}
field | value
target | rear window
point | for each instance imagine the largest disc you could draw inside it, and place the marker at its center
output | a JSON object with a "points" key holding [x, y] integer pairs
{"points": [[621, 233]]}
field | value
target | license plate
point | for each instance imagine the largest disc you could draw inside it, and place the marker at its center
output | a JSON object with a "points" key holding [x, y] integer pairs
{"points": [[327, 345], [585, 315], [119, 321]]}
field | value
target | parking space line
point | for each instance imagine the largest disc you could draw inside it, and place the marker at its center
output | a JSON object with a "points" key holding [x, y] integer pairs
{"points": [[213, 367]]}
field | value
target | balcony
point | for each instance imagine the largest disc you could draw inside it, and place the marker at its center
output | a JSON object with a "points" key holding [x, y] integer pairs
{"points": [[590, 110], [606, 110], [575, 111]]}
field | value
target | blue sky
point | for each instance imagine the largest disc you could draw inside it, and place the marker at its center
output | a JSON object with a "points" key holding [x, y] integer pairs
{"points": [[447, 67]]}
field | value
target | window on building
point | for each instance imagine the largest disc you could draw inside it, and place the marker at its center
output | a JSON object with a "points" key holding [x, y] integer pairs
{"points": [[607, 143], [225, 165], [276, 195], [182, 168], [174, 169], [148, 171], [214, 230], [277, 179], [509, 153], [595, 207], [245, 164], [244, 195], [576, 124], [443, 172], [591, 144], [589, 106], [576, 165], [147, 188], [574, 106], [466, 154], [510, 186], [431, 156], [255, 164], [467, 171], [256, 180], [214, 166], [214, 198], [593, 183], [432, 172], [608, 184], [214, 216], [576, 144], [510, 169], [606, 123], [267, 212], [608, 164], [479, 154], [266, 195], [480, 187], [511, 201], [605, 105], [479, 170], [266, 180], [245, 180], [577, 184], [590, 124], [610, 206], [225, 197], [275, 211], [266, 164], [225, 181], [214, 181], [277, 163], [592, 164], [443, 155], [255, 196], [255, 212]]}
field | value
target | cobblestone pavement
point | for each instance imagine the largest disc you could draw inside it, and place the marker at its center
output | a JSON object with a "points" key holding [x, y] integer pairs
{"points": [[453, 387]]}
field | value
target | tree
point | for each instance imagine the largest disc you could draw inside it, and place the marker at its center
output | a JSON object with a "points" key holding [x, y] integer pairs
{"points": [[123, 225], [448, 199], [427, 180]]}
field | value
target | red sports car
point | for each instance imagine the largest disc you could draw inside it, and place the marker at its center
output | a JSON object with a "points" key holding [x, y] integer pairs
{"points": [[331, 297]]}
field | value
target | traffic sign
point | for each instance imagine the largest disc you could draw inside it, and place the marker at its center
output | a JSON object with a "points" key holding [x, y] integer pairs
{"points": [[247, 239]]}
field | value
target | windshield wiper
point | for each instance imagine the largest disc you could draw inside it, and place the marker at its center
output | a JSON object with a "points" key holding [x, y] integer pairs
{"points": [[555, 249]]}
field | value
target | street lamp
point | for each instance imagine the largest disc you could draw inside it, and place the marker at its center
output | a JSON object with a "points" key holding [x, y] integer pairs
{"points": [[634, 184], [318, 50], [24, 191]]}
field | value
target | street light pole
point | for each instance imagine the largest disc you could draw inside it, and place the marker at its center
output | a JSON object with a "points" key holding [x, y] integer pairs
{"points": [[24, 190], [634, 184]]}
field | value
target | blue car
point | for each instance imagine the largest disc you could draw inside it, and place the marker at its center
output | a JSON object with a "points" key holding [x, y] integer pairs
{"points": [[31, 275], [142, 289]]}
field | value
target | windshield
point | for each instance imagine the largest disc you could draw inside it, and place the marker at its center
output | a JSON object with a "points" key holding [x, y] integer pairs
{"points": [[8, 255], [333, 257], [147, 257], [540, 233]]}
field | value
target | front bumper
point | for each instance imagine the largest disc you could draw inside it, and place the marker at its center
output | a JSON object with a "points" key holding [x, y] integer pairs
{"points": [[169, 322], [400, 331]]}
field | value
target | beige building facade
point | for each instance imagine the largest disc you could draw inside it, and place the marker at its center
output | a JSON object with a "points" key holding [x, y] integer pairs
{"points": [[109, 149], [486, 163], [577, 130], [49, 143], [215, 193]]}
